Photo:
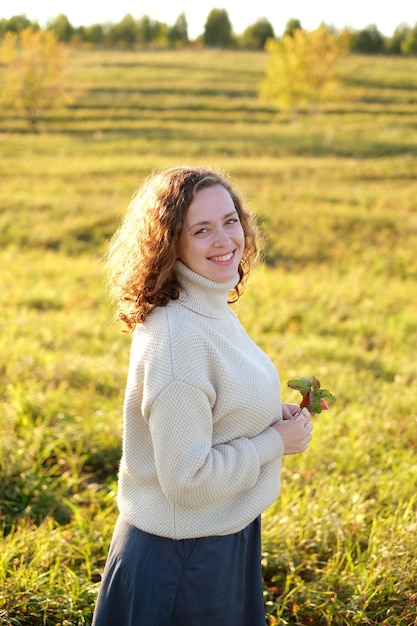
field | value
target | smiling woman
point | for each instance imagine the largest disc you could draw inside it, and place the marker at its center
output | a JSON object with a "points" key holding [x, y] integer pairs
{"points": [[204, 427], [191, 214]]}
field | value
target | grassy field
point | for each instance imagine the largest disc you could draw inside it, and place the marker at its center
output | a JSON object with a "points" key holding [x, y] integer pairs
{"points": [[335, 296]]}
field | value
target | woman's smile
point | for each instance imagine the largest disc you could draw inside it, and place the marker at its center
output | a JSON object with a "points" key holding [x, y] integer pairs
{"points": [[222, 259]]}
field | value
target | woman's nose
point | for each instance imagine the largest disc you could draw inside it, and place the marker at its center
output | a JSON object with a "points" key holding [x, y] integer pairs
{"points": [[221, 238]]}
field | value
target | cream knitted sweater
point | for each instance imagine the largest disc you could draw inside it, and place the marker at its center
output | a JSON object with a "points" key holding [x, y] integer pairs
{"points": [[199, 455]]}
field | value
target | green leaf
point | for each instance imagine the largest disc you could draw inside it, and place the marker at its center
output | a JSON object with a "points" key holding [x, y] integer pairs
{"points": [[325, 393], [300, 384]]}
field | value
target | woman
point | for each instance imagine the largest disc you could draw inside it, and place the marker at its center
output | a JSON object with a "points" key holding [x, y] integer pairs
{"points": [[204, 428]]}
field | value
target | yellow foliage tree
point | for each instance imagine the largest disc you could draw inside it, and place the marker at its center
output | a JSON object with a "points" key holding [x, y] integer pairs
{"points": [[301, 68], [32, 77]]}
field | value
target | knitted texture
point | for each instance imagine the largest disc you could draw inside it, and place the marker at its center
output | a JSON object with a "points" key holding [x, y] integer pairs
{"points": [[199, 455]]}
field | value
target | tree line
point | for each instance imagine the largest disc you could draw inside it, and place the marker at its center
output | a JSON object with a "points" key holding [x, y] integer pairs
{"points": [[218, 33]]}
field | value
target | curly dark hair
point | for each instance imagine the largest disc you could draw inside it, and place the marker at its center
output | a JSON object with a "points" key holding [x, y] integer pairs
{"points": [[143, 251]]}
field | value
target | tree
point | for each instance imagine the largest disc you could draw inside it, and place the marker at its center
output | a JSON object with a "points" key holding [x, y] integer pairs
{"points": [[301, 68], [218, 29], [159, 33], [292, 25], [17, 23], [92, 34], [394, 43], [409, 45], [62, 28], [368, 40], [178, 34], [124, 32], [34, 62], [149, 30], [256, 35]]}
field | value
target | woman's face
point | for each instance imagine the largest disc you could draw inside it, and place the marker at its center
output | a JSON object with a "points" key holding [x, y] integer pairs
{"points": [[212, 240]]}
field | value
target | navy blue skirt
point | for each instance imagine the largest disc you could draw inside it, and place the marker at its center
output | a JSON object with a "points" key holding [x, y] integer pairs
{"points": [[155, 581]]}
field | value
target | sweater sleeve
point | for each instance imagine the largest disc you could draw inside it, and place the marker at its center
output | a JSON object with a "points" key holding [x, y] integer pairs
{"points": [[191, 470]]}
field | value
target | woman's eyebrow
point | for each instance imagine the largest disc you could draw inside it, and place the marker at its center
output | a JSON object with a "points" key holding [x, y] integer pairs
{"points": [[205, 222]]}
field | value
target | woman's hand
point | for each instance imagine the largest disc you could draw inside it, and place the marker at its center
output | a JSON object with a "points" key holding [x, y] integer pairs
{"points": [[291, 411], [295, 433]]}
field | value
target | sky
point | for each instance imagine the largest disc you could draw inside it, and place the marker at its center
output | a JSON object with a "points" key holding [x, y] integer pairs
{"points": [[356, 14]]}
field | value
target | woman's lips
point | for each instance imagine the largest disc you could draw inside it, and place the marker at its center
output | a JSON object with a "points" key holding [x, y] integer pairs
{"points": [[222, 258]]}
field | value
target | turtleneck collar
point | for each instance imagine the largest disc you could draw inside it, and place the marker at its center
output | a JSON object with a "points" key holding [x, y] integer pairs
{"points": [[201, 294]]}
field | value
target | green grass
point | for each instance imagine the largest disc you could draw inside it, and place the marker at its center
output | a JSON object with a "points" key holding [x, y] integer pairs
{"points": [[335, 296]]}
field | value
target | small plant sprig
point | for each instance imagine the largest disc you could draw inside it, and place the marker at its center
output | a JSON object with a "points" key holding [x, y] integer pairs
{"points": [[314, 398]]}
